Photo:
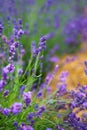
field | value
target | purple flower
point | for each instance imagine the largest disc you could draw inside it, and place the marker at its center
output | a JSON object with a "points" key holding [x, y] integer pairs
{"points": [[12, 49], [20, 21], [49, 129], [16, 108], [4, 38], [20, 33], [8, 69], [43, 38], [20, 71], [48, 78], [6, 111], [59, 128], [15, 123], [61, 89], [27, 97], [49, 89], [54, 59], [63, 76], [39, 94], [16, 44], [33, 47], [5, 71], [84, 105], [56, 68], [6, 92], [22, 51], [40, 111], [26, 127], [36, 107], [22, 89], [30, 116], [2, 84], [4, 74]]}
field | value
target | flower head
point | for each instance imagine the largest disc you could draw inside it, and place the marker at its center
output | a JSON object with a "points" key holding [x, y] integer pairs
{"points": [[16, 108], [27, 97]]}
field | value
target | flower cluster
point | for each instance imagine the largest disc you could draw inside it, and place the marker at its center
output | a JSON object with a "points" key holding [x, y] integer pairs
{"points": [[19, 99], [79, 105]]}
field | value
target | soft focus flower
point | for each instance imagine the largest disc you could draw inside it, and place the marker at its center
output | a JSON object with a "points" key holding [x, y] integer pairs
{"points": [[15, 124], [39, 94], [26, 127], [54, 59], [6, 92], [20, 71], [40, 111], [49, 129], [6, 111], [16, 108], [63, 76], [59, 128], [9, 68], [27, 97], [22, 89], [30, 116], [2, 84]]}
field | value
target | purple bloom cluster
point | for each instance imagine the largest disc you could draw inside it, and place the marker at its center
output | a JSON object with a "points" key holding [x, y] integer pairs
{"points": [[2, 84], [16, 108], [40, 111], [73, 32], [41, 46], [76, 31], [6, 92], [12, 45], [80, 104], [27, 98], [6, 111], [26, 127], [13, 68]]}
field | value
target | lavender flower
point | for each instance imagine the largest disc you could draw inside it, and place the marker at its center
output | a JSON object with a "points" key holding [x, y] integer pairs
{"points": [[22, 89], [26, 127], [16, 108], [63, 76], [9, 69], [30, 116], [15, 124], [59, 128], [61, 89], [6, 111], [49, 129], [20, 71], [2, 84], [27, 98], [40, 111], [20, 33], [39, 94], [6, 92]]}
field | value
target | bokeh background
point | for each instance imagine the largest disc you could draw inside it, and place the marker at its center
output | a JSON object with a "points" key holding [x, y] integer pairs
{"points": [[64, 21]]}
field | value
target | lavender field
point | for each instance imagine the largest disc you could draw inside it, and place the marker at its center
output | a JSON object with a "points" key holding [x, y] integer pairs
{"points": [[43, 64]]}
